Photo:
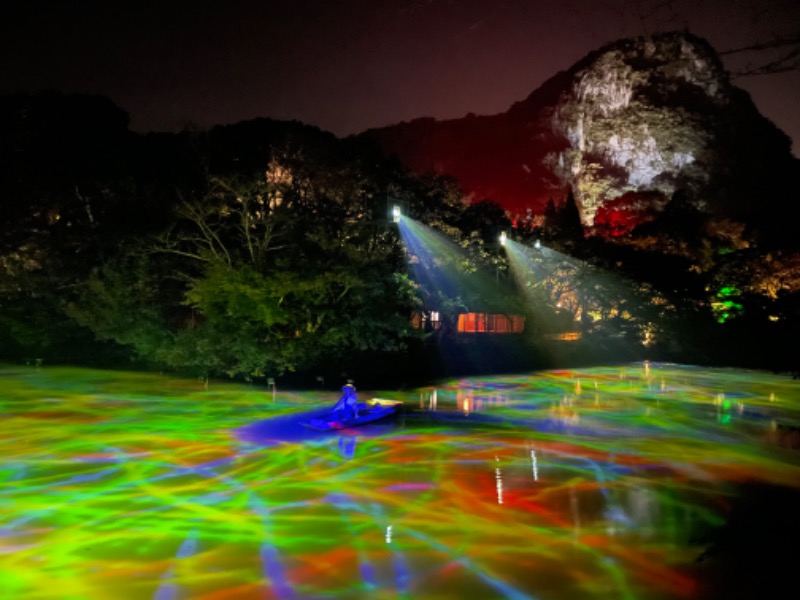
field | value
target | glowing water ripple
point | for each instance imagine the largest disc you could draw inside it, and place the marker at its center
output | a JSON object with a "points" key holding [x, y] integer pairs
{"points": [[591, 483]]}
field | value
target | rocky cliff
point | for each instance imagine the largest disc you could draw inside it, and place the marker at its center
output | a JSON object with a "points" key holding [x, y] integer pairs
{"points": [[625, 128]]}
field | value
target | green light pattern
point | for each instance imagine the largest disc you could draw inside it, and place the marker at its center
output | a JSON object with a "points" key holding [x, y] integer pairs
{"points": [[726, 308], [585, 483], [728, 291]]}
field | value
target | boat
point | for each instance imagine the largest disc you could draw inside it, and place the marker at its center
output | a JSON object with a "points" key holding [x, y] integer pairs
{"points": [[375, 410]]}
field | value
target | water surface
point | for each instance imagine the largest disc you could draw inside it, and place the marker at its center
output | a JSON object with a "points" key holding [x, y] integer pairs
{"points": [[643, 481]]}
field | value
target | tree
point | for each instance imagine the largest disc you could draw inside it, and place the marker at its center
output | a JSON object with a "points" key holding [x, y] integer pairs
{"points": [[487, 219], [563, 222], [71, 198], [281, 272]]}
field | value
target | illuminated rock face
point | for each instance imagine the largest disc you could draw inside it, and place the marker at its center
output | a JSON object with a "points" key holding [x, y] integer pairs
{"points": [[625, 128], [636, 117]]}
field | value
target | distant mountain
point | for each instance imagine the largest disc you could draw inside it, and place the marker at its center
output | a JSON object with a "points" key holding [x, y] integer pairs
{"points": [[625, 128]]}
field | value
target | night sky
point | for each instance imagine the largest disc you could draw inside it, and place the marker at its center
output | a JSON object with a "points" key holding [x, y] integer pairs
{"points": [[348, 65]]}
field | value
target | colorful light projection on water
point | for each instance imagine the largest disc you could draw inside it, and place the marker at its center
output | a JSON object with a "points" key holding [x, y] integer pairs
{"points": [[592, 483]]}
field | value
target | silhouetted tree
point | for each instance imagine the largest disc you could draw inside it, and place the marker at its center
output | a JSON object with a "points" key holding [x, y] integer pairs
{"points": [[487, 219], [563, 222]]}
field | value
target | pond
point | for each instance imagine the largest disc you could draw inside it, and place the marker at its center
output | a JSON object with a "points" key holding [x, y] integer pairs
{"points": [[640, 481]]}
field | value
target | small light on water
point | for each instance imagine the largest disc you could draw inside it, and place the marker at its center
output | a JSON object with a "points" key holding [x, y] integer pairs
{"points": [[498, 476]]}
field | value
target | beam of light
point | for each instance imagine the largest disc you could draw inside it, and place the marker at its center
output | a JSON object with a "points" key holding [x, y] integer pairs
{"points": [[568, 293], [452, 283], [437, 263], [446, 271], [532, 266], [129, 485]]}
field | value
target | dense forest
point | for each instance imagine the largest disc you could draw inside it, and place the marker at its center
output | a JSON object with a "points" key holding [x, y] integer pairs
{"points": [[266, 249]]}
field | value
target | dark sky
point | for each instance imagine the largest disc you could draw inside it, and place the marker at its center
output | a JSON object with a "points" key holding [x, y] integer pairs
{"points": [[347, 65]]}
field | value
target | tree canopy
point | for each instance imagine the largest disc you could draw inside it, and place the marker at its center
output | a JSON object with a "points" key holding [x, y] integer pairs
{"points": [[266, 248]]}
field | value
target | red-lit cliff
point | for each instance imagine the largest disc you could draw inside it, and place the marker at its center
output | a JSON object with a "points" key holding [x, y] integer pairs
{"points": [[626, 128]]}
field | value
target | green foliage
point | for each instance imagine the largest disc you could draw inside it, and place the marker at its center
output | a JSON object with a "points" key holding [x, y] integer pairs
{"points": [[237, 294], [121, 302], [233, 347], [434, 200], [282, 272]]}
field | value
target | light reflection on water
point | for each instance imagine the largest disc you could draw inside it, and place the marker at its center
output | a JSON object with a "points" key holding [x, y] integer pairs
{"points": [[645, 481]]}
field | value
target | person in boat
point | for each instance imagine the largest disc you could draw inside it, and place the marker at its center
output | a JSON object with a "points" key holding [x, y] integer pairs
{"points": [[347, 407]]}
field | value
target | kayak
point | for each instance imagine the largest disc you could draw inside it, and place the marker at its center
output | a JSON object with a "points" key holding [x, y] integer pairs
{"points": [[376, 409]]}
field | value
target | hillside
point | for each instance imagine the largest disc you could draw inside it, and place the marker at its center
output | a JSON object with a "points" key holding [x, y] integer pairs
{"points": [[625, 128]]}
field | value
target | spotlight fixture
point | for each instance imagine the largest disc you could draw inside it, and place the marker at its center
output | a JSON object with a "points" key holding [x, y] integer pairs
{"points": [[396, 213], [503, 238]]}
